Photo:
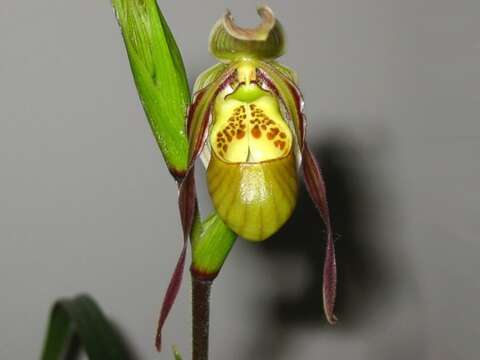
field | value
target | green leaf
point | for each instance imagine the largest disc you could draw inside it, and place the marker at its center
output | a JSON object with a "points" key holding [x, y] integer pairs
{"points": [[159, 74], [82, 318]]}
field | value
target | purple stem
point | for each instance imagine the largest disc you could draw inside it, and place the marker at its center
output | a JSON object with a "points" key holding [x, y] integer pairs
{"points": [[200, 315]]}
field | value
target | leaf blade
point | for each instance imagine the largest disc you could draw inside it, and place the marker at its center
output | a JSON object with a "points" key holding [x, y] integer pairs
{"points": [[58, 337], [83, 317], [159, 75]]}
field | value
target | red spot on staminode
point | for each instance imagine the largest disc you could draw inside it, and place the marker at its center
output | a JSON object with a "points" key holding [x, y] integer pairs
{"points": [[225, 148], [229, 138], [273, 132], [240, 134], [256, 133], [280, 144]]}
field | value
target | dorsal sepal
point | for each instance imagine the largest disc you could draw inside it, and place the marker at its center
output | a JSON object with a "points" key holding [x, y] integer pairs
{"points": [[229, 42]]}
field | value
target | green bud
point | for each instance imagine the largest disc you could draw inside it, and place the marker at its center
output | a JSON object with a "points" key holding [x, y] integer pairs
{"points": [[210, 247]]}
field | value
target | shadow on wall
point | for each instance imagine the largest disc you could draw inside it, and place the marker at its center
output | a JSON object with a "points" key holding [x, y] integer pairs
{"points": [[366, 280]]}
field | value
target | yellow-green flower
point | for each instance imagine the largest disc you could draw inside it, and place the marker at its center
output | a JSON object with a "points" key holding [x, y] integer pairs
{"points": [[246, 121]]}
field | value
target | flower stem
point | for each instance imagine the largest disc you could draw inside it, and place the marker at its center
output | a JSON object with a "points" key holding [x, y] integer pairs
{"points": [[200, 315]]}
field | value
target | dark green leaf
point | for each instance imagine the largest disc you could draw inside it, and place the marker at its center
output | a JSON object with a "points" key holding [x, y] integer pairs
{"points": [[82, 318]]}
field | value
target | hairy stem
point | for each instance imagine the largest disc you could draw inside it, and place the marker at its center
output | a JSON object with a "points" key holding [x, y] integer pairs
{"points": [[200, 316]]}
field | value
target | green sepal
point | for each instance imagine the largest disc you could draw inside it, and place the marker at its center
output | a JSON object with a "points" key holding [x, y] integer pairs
{"points": [[159, 74], [211, 246], [229, 42]]}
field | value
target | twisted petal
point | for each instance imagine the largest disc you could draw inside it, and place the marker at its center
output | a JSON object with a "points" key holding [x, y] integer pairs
{"points": [[197, 123], [282, 83], [316, 188], [170, 295]]}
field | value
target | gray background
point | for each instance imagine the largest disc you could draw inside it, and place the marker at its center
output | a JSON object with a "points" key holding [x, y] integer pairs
{"points": [[392, 91]]}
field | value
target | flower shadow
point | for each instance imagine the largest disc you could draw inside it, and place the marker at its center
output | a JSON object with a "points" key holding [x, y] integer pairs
{"points": [[367, 281]]}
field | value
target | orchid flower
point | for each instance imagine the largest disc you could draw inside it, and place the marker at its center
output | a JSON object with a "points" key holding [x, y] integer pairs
{"points": [[245, 122]]}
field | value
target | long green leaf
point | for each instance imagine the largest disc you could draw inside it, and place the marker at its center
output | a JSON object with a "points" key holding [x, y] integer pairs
{"points": [[82, 318], [159, 74]]}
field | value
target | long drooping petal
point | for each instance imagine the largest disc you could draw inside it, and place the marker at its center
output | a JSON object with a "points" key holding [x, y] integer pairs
{"points": [[187, 215], [316, 188], [171, 295], [280, 83], [197, 125]]}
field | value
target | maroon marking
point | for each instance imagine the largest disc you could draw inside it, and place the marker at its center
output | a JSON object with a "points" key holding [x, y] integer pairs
{"points": [[280, 144], [240, 134], [229, 138], [256, 132], [273, 132]]}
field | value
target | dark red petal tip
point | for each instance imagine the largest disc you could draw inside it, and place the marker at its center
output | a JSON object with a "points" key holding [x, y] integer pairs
{"points": [[170, 295], [330, 282], [187, 202], [317, 190]]}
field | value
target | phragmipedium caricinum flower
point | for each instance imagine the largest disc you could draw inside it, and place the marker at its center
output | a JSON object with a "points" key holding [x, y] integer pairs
{"points": [[246, 123]]}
